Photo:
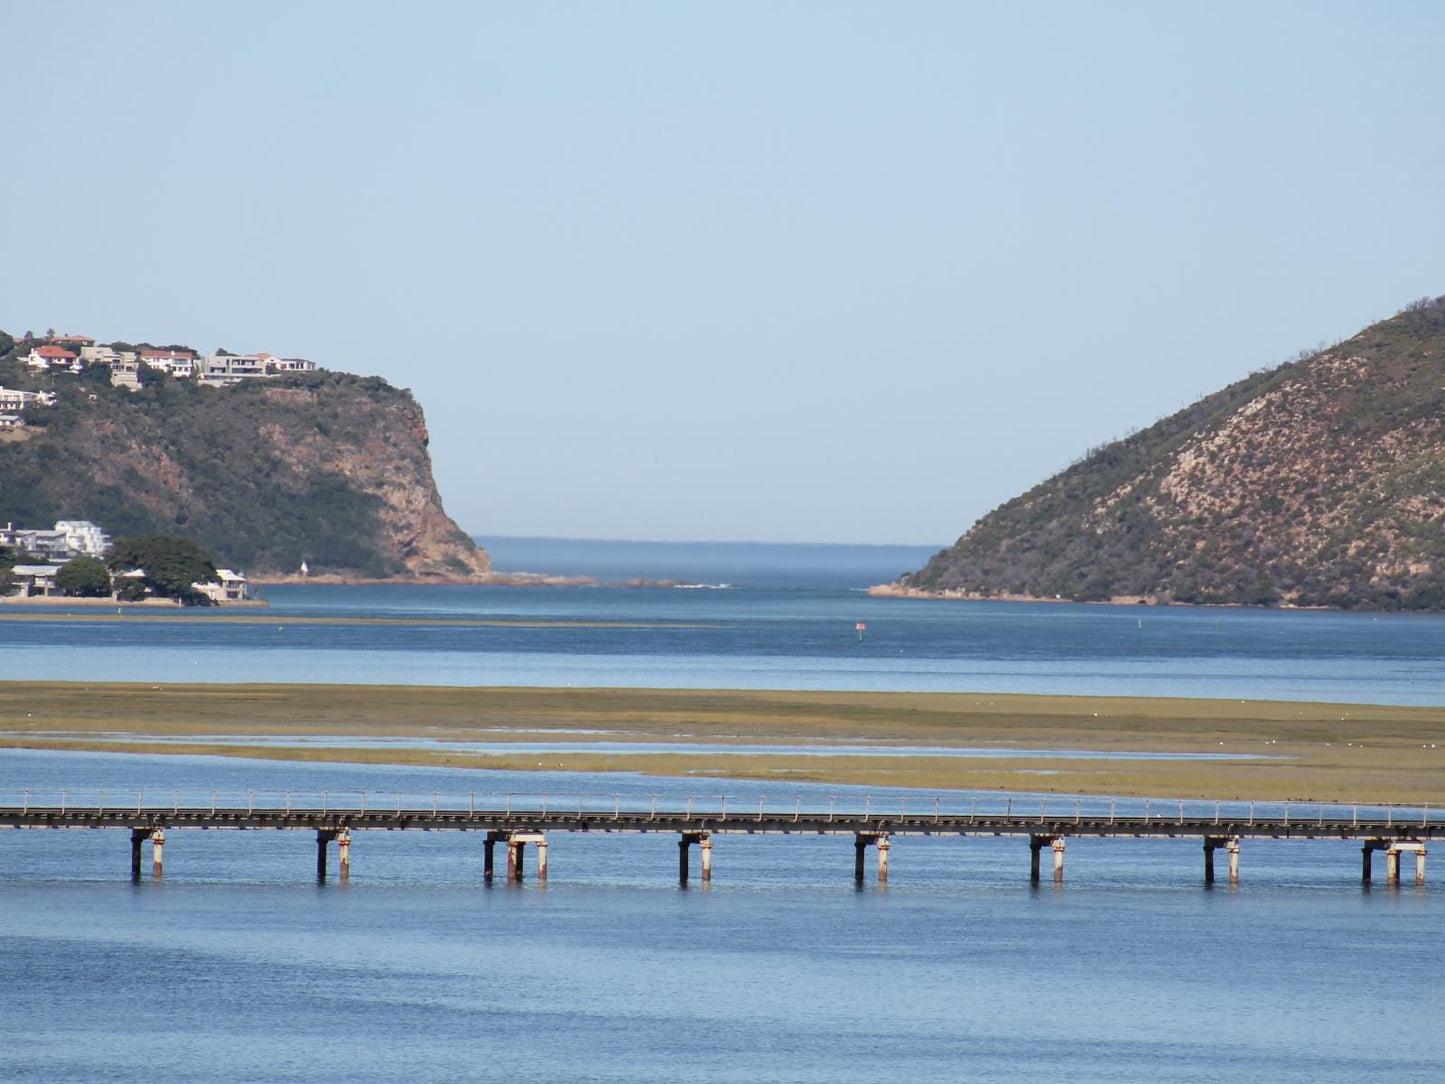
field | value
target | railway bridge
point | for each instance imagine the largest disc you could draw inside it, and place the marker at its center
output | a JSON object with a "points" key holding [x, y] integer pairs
{"points": [[519, 820]]}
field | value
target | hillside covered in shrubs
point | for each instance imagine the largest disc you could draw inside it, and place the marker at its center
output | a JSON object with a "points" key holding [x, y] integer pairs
{"points": [[1317, 483], [323, 468]]}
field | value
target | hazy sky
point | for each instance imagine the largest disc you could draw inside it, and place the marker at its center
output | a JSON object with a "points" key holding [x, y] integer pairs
{"points": [[773, 271]]}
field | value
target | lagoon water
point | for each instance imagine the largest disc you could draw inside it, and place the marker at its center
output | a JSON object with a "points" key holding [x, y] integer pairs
{"points": [[239, 967], [747, 638]]}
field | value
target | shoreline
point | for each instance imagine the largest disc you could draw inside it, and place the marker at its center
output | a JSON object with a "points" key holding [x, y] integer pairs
{"points": [[1282, 750], [490, 579], [898, 590], [141, 604]]}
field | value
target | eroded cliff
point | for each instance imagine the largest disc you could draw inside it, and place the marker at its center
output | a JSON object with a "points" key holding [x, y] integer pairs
{"points": [[324, 468]]}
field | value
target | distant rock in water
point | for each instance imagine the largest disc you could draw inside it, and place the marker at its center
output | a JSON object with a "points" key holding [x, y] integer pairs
{"points": [[1318, 483], [324, 468]]}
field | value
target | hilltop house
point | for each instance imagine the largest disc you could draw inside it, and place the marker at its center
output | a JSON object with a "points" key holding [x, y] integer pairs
{"points": [[222, 370], [45, 359], [179, 363]]}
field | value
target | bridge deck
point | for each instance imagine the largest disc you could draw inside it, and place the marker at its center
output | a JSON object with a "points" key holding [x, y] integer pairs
{"points": [[1308, 824], [522, 820]]}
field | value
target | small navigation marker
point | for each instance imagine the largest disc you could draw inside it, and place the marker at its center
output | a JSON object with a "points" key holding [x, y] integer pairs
{"points": [[860, 627]]}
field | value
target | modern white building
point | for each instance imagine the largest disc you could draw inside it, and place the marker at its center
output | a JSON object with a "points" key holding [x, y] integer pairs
{"points": [[50, 545], [70, 538], [179, 363], [222, 370], [228, 586], [84, 537], [13, 400]]}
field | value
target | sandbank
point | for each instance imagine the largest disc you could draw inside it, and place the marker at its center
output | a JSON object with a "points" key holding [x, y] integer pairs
{"points": [[1282, 750]]}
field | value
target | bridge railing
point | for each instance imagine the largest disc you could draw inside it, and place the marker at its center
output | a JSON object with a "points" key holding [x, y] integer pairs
{"points": [[1018, 809]]}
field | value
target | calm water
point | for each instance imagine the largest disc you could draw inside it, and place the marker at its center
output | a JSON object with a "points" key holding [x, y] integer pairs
{"points": [[239, 967], [747, 638]]}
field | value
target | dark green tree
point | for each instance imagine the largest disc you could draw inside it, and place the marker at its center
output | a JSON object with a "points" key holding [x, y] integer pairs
{"points": [[130, 591], [83, 577], [170, 564]]}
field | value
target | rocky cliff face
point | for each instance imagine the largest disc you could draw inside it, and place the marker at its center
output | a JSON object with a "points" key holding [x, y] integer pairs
{"points": [[1320, 483], [325, 468]]}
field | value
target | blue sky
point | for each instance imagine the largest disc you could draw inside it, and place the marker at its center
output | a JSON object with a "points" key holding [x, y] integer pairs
{"points": [[783, 272]]}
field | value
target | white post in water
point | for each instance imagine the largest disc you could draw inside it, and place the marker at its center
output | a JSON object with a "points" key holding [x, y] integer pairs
{"points": [[158, 849], [705, 845], [1059, 860], [343, 852], [884, 846]]}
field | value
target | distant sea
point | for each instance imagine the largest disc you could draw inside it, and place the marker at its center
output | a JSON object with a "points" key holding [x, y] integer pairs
{"points": [[763, 565]]}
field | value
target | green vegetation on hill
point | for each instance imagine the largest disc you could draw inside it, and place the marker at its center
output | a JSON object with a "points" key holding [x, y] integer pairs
{"points": [[1320, 482], [325, 467]]}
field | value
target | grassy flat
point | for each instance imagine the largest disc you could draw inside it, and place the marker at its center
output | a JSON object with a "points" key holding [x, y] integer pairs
{"points": [[1297, 751]]}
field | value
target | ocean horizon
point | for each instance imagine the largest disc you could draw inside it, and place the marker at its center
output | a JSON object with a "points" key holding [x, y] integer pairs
{"points": [[770, 565]]}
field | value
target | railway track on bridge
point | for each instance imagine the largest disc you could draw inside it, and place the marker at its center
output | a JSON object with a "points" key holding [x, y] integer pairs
{"points": [[519, 820]]}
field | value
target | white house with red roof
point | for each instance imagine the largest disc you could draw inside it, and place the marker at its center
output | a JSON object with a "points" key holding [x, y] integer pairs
{"points": [[49, 359]]}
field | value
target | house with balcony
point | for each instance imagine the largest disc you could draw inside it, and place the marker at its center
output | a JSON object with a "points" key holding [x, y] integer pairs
{"points": [[33, 581], [178, 363], [52, 359], [14, 401], [228, 586]]}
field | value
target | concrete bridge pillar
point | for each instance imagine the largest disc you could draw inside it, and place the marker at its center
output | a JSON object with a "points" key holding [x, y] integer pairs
{"points": [[516, 854], [1392, 861], [158, 850], [1231, 846], [1037, 844], [684, 843], [861, 842], [323, 837], [1367, 858], [489, 856], [343, 852], [137, 837]]}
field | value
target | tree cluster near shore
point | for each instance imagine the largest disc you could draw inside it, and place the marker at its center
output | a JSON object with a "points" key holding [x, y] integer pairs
{"points": [[170, 568]]}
